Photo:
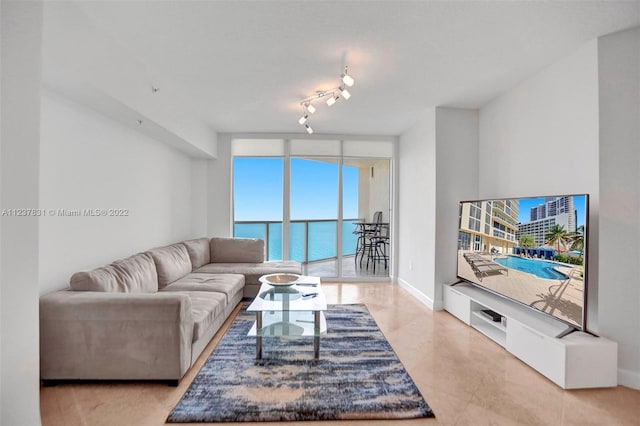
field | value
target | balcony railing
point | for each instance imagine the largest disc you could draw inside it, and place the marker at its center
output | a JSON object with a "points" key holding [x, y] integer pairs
{"points": [[309, 240], [504, 235]]}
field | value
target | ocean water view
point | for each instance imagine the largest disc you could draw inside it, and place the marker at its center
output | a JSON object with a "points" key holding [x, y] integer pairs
{"points": [[321, 243]]}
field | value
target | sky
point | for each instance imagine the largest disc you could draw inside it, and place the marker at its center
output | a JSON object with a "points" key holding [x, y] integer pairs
{"points": [[525, 204], [258, 189]]}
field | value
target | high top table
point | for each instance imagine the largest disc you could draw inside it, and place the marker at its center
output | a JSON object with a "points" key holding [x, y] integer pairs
{"points": [[294, 310]]}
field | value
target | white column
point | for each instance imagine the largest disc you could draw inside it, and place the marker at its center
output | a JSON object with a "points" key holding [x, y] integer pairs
{"points": [[618, 297], [21, 40]]}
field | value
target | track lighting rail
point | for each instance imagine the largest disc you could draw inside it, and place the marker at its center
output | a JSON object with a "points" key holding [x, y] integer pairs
{"points": [[332, 95]]}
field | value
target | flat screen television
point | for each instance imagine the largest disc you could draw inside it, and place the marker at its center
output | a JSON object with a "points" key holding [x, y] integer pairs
{"points": [[531, 250]]}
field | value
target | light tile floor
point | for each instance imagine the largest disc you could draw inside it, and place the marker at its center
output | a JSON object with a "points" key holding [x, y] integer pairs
{"points": [[465, 377]]}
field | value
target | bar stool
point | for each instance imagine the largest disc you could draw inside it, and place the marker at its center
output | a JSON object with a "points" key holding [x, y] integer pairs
{"points": [[364, 246], [360, 243], [378, 251], [366, 232]]}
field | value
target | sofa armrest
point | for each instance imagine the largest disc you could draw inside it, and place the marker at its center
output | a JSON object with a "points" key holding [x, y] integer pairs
{"points": [[95, 335]]}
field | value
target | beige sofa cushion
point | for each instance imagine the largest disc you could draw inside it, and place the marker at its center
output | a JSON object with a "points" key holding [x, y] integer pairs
{"points": [[237, 250], [172, 263], [228, 284], [199, 251], [206, 306], [252, 271], [135, 274]]}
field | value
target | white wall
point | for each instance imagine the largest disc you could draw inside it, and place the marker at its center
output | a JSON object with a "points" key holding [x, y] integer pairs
{"points": [[20, 132], [456, 180], [438, 168], [619, 295], [219, 192], [541, 138], [199, 200], [548, 125], [2, 59], [379, 190], [88, 161], [576, 123], [364, 206], [416, 208]]}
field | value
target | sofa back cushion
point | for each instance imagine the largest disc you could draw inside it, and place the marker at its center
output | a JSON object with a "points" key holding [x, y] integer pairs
{"points": [[172, 263], [237, 250], [199, 252], [135, 274]]}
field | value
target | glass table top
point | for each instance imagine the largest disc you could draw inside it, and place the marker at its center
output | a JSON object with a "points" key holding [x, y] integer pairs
{"points": [[305, 295]]}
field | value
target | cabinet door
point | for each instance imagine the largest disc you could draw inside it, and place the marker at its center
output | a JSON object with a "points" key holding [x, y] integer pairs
{"points": [[539, 351], [592, 362], [457, 304]]}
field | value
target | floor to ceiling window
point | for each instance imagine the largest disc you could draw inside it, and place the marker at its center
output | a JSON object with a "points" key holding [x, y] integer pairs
{"points": [[306, 200], [258, 197], [314, 211], [371, 179]]}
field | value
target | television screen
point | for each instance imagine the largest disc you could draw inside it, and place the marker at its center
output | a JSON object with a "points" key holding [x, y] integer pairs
{"points": [[532, 250]]}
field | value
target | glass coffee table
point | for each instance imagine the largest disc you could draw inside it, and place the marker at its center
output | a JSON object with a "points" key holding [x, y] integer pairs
{"points": [[289, 309]]}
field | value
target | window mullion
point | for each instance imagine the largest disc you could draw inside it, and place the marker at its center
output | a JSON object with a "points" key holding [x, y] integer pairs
{"points": [[286, 200]]}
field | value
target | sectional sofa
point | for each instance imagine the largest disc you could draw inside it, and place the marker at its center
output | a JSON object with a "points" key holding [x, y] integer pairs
{"points": [[149, 316]]}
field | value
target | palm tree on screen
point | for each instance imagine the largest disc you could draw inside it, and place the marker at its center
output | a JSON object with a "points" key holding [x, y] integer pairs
{"points": [[527, 241], [577, 240], [557, 235]]}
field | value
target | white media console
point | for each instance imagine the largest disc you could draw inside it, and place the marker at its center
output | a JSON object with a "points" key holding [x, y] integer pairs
{"points": [[577, 360]]}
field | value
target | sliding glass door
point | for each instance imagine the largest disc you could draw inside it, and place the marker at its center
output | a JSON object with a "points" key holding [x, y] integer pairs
{"points": [[308, 198], [314, 213], [366, 190]]}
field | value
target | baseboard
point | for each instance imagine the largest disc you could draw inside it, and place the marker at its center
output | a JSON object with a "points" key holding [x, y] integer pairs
{"points": [[423, 298], [628, 378], [438, 305]]}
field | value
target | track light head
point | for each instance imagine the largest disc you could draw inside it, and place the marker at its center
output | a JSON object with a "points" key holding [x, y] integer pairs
{"points": [[310, 108], [309, 129], [332, 100], [347, 79], [345, 93], [303, 119]]}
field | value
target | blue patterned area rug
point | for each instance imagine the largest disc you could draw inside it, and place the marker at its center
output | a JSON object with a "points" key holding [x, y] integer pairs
{"points": [[358, 376]]}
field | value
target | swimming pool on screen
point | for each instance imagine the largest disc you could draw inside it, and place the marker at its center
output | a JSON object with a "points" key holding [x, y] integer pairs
{"points": [[539, 268]]}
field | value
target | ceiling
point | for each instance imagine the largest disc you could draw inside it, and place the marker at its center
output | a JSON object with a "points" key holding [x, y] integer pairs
{"points": [[244, 66]]}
